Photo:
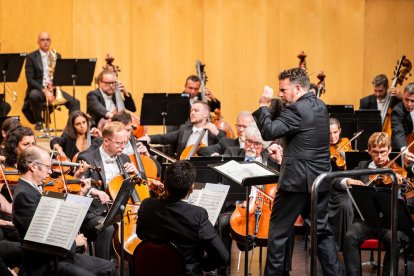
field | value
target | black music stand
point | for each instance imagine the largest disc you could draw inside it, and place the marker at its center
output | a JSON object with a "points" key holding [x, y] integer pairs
{"points": [[116, 213], [368, 120], [10, 68], [374, 200], [74, 72], [164, 109], [248, 182]]}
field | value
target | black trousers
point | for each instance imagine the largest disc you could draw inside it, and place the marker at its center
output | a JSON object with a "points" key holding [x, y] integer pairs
{"points": [[33, 105], [287, 207], [357, 234], [102, 239]]}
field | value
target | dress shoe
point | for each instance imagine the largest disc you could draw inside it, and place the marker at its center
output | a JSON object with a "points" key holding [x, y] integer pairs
{"points": [[38, 126]]}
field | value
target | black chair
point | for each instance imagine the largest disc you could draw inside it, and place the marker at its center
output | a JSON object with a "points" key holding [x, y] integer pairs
{"points": [[157, 257]]}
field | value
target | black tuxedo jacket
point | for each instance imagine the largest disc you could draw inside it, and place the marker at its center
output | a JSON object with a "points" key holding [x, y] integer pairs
{"points": [[34, 71], [220, 147], [370, 102], [188, 227], [401, 126], [95, 105], [180, 137], [305, 125]]}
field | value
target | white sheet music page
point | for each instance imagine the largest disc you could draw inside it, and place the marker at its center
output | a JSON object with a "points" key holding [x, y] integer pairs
{"points": [[238, 171]]}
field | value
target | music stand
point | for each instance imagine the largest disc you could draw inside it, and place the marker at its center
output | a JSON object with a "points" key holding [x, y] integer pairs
{"points": [[10, 68], [164, 109], [74, 72], [248, 182], [368, 120], [116, 213]]}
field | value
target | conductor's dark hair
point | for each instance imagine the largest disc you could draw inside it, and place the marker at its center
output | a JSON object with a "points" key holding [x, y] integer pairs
{"points": [[296, 76], [193, 78], [178, 179]]}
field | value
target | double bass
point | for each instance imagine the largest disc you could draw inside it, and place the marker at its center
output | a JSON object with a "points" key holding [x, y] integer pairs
{"points": [[403, 68]]}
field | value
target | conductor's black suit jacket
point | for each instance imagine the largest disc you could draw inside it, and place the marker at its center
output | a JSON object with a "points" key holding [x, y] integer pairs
{"points": [[305, 124], [401, 126], [188, 227]]}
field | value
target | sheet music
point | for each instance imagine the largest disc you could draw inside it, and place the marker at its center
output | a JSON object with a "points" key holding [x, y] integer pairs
{"points": [[239, 171], [57, 221], [192, 199], [212, 199]]}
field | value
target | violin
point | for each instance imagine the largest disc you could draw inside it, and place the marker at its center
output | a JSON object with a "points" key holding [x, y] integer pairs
{"points": [[337, 151], [259, 217], [403, 68], [9, 178], [66, 184], [385, 179]]}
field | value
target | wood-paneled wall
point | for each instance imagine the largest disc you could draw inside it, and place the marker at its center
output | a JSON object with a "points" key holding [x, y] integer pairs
{"points": [[244, 43]]}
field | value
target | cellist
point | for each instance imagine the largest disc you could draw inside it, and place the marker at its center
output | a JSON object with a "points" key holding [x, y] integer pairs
{"points": [[402, 119]]}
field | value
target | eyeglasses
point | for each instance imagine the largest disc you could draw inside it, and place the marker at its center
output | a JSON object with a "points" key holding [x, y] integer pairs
{"points": [[109, 82], [240, 126], [48, 167], [119, 144], [255, 144], [376, 153]]}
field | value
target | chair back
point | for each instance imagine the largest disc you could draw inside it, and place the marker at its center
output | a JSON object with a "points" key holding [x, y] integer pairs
{"points": [[157, 257]]}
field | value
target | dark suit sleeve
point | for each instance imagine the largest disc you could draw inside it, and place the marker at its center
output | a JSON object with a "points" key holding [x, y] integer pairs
{"points": [[30, 73], [94, 106], [288, 122], [164, 139], [362, 104], [129, 103], [399, 139], [217, 254], [24, 207]]}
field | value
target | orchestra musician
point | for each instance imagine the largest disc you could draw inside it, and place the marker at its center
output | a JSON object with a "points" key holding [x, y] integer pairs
{"points": [[244, 118], [305, 157], [185, 225], [378, 99], [8, 124], [39, 85], [17, 140], [101, 102], [35, 165], [402, 120], [109, 158], [74, 137], [188, 133], [379, 147]]}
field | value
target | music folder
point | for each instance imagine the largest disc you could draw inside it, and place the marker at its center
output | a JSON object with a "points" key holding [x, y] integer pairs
{"points": [[56, 223]]}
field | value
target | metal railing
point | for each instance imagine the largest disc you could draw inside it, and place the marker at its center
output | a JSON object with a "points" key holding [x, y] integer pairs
{"points": [[394, 217]]}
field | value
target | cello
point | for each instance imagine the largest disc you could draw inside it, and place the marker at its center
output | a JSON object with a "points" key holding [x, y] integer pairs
{"points": [[403, 68]]}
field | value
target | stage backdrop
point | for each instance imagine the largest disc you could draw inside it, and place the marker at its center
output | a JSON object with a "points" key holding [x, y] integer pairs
{"points": [[244, 43]]}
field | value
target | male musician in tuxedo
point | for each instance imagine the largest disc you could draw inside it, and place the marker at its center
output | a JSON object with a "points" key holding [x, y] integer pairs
{"points": [[101, 102], [112, 161], [34, 165], [39, 85], [243, 120], [305, 124], [185, 225], [380, 96], [402, 119], [379, 147], [188, 133]]}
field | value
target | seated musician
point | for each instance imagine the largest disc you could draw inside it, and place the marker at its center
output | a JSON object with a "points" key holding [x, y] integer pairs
{"points": [[378, 99], [39, 69], [185, 225], [101, 102], [8, 124], [109, 158], [402, 118], [34, 165], [17, 140], [74, 137], [379, 147], [341, 213], [243, 120], [188, 133]]}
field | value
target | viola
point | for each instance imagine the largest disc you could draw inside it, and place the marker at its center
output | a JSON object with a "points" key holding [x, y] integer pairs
{"points": [[337, 151], [259, 217]]}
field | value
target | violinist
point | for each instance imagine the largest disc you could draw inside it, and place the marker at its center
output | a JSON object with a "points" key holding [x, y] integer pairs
{"points": [[101, 102], [74, 137], [35, 165], [188, 133], [185, 225], [402, 118], [378, 99], [379, 147], [8, 124], [338, 145], [17, 140], [109, 158]]}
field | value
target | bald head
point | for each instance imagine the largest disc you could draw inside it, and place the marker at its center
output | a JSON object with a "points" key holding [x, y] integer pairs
{"points": [[44, 41]]}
